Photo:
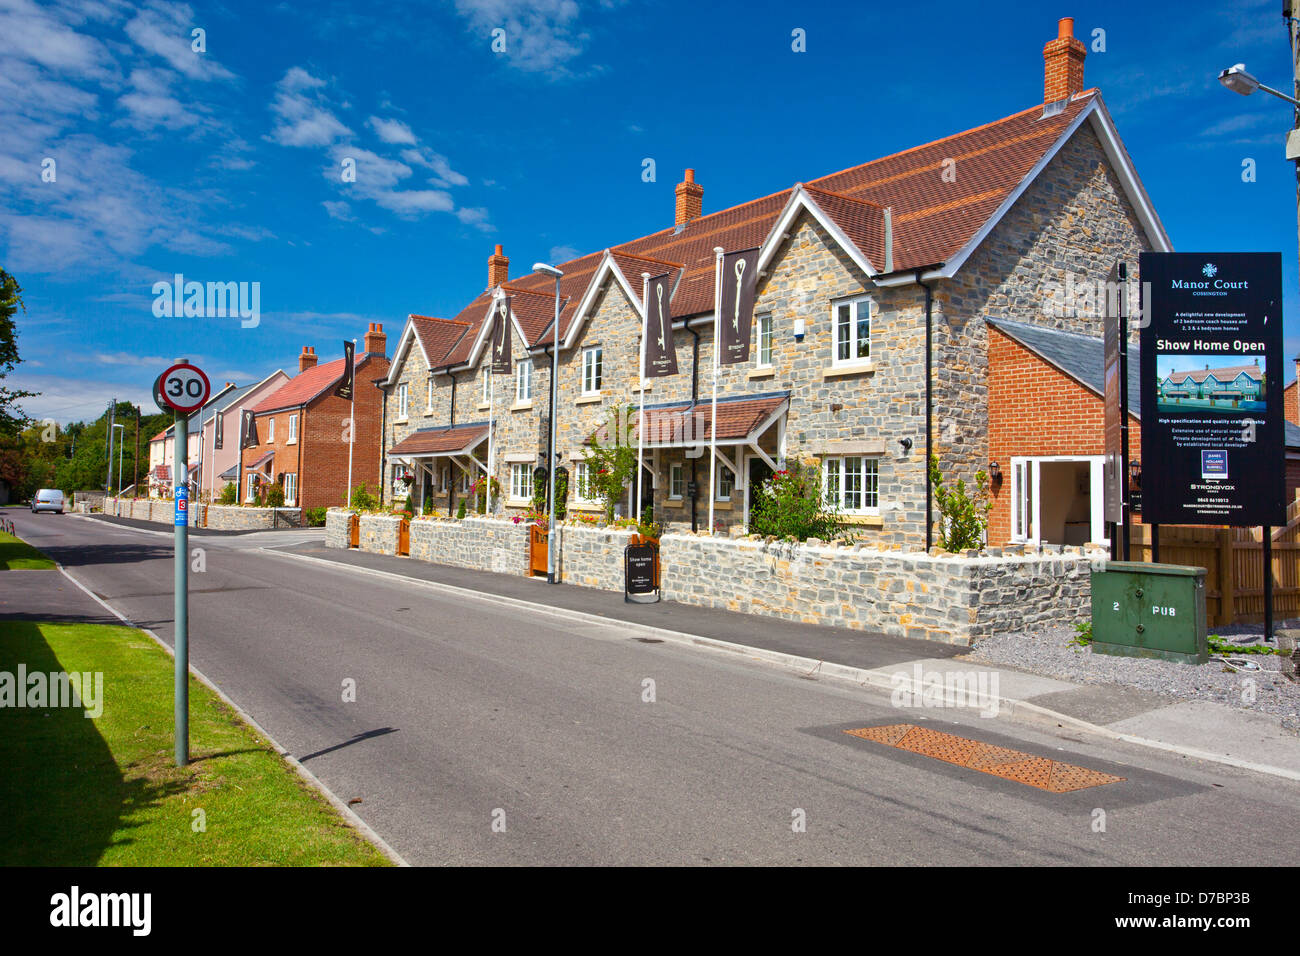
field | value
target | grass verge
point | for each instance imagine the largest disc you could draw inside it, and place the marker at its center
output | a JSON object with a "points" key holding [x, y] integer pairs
{"points": [[18, 555], [80, 791]]}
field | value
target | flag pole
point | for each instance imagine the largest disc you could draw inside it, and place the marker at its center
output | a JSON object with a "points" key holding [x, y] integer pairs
{"points": [[640, 422], [713, 424]]}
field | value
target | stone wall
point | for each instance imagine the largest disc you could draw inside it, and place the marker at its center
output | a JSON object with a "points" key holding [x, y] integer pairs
{"points": [[592, 557], [378, 534], [336, 528], [483, 544], [215, 517]]}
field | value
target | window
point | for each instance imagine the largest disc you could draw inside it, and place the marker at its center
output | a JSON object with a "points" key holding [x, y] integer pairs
{"points": [[676, 482], [524, 381], [726, 482], [853, 331], [428, 397], [1022, 511], [521, 480], [582, 489], [252, 487], [293, 428], [403, 402], [290, 489], [853, 484], [592, 367], [764, 357], [465, 482], [270, 430]]}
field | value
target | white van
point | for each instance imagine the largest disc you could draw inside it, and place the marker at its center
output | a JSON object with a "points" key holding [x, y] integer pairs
{"points": [[48, 499]]}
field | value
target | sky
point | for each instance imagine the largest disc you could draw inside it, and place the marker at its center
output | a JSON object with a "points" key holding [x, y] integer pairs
{"points": [[227, 163]]}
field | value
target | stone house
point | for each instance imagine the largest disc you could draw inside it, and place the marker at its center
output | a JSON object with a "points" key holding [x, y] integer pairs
{"points": [[303, 442], [878, 289]]}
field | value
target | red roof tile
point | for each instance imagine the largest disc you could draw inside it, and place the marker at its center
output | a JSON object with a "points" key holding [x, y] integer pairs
{"points": [[446, 441], [437, 336], [737, 420], [306, 386]]}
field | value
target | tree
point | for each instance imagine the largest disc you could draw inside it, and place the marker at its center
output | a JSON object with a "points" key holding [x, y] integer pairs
{"points": [[611, 462], [12, 418]]}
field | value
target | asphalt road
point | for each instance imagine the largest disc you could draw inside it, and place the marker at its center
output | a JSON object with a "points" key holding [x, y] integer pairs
{"points": [[469, 713]]}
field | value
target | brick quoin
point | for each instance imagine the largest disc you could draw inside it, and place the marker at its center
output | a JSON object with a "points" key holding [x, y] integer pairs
{"points": [[1036, 409]]}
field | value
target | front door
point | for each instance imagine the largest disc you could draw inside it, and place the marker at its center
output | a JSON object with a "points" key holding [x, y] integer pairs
{"points": [[759, 472], [647, 492]]}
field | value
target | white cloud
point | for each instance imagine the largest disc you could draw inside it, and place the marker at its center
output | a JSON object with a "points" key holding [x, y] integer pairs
{"points": [[391, 130], [164, 29], [302, 118], [563, 254], [541, 35]]}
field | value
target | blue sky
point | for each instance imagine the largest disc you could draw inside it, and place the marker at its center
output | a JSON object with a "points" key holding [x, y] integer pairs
{"points": [[225, 165]]}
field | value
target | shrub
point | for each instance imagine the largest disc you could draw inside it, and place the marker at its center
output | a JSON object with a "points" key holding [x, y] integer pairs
{"points": [[314, 517], [539, 491], [561, 493], [460, 511], [480, 492], [790, 505], [275, 496], [963, 515], [228, 494], [363, 500]]}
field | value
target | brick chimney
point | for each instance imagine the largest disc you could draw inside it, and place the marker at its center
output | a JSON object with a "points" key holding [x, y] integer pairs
{"points": [[1063, 63], [690, 199], [498, 268], [307, 359], [376, 342]]}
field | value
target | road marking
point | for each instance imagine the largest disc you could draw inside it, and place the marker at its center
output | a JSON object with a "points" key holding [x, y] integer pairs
{"points": [[1033, 771], [346, 811]]}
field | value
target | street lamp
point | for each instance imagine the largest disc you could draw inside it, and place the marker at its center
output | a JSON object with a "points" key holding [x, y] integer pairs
{"points": [[121, 440], [1237, 79], [555, 273]]}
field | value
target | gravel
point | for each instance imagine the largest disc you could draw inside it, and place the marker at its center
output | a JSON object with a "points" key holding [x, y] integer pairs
{"points": [[1049, 652]]}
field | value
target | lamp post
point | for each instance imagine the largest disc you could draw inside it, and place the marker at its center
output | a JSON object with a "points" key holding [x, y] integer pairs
{"points": [[556, 274], [1239, 80], [121, 438]]}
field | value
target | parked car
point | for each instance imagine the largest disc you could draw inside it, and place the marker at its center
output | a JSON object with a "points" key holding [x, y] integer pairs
{"points": [[48, 499]]}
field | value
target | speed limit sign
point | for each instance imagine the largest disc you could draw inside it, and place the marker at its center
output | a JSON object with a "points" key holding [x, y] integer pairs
{"points": [[184, 387]]}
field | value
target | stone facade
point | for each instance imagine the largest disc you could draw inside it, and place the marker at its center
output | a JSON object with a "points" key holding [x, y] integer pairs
{"points": [[483, 544], [215, 517]]}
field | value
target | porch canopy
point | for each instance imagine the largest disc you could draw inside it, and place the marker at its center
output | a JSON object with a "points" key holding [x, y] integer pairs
{"points": [[424, 446], [266, 460], [742, 422]]}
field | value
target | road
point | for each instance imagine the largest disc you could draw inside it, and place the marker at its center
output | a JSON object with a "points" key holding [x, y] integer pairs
{"points": [[469, 713]]}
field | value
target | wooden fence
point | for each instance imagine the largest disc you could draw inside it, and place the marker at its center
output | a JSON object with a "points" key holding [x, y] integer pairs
{"points": [[1237, 596]]}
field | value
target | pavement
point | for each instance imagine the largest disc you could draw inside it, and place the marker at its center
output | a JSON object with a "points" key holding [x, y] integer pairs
{"points": [[1201, 729], [486, 728]]}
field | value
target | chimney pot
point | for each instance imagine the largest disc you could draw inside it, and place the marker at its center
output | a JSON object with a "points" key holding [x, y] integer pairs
{"points": [[1063, 64], [307, 359], [498, 268], [690, 199], [376, 342]]}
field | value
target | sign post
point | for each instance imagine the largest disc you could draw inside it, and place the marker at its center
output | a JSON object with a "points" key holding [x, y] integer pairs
{"points": [[185, 389], [639, 583], [1212, 412]]}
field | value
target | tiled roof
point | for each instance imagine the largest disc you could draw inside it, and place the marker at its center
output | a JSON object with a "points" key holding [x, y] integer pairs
{"points": [[261, 461], [445, 440], [437, 336], [738, 417], [305, 386], [1083, 357], [1224, 374], [161, 473]]}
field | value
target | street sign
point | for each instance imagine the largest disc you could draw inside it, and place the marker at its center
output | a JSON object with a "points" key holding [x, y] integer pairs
{"points": [[1212, 374], [184, 388], [158, 396], [181, 495]]}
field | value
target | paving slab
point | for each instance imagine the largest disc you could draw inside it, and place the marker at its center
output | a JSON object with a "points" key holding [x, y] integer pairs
{"points": [[1206, 725]]}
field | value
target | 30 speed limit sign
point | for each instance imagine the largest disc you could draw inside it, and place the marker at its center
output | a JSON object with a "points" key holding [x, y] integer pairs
{"points": [[184, 387]]}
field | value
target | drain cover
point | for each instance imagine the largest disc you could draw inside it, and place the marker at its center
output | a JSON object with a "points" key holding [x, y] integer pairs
{"points": [[1041, 772]]}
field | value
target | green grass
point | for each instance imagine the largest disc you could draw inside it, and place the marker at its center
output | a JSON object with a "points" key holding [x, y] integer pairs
{"points": [[17, 555], [76, 791]]}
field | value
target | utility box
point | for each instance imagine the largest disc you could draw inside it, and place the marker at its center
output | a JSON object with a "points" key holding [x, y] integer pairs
{"points": [[1150, 610]]}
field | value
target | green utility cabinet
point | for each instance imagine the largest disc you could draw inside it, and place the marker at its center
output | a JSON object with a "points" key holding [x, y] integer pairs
{"points": [[1149, 610]]}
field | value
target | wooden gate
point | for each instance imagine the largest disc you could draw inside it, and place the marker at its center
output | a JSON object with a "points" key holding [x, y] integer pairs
{"points": [[354, 531], [538, 549], [404, 537]]}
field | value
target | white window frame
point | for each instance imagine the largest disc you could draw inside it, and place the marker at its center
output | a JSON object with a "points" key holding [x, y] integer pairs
{"points": [[593, 369], [581, 469], [855, 307], [291, 489], [403, 402], [521, 480], [293, 429], [270, 429], [524, 380], [676, 477], [252, 482], [1026, 486], [720, 477], [428, 396], [867, 477], [763, 324]]}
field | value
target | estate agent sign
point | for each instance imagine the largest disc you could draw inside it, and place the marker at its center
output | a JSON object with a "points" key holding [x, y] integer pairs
{"points": [[1211, 364]]}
